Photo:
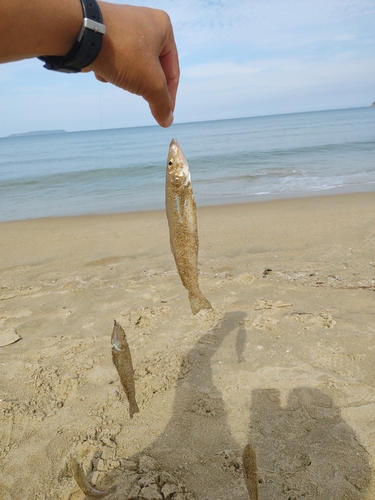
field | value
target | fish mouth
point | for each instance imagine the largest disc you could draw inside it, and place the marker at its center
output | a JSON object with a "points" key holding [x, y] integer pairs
{"points": [[177, 165], [174, 147], [116, 339]]}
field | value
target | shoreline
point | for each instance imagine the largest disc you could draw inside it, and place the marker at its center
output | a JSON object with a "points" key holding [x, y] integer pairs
{"points": [[248, 200]]}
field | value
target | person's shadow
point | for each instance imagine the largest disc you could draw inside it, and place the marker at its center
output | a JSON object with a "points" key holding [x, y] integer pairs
{"points": [[197, 438], [304, 450]]}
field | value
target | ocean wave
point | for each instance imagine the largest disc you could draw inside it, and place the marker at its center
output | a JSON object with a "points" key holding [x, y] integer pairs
{"points": [[141, 173], [229, 160]]}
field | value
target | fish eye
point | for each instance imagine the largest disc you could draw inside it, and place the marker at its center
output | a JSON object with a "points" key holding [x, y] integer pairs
{"points": [[170, 162]]}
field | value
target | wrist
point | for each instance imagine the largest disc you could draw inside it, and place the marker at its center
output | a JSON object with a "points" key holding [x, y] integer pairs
{"points": [[87, 45], [64, 24]]}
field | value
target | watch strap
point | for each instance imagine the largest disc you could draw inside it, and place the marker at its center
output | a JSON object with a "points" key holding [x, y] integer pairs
{"points": [[88, 45]]}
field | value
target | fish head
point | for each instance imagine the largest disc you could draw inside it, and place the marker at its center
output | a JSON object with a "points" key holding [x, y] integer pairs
{"points": [[118, 337], [178, 173]]}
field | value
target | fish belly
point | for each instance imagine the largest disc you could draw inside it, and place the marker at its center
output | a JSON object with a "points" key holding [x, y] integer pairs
{"points": [[183, 229]]}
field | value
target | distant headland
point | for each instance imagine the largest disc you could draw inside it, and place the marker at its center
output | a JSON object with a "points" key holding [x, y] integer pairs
{"points": [[373, 104], [38, 132]]}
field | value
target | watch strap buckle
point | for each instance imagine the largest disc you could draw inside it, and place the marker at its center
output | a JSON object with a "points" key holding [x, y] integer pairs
{"points": [[90, 25], [87, 46]]}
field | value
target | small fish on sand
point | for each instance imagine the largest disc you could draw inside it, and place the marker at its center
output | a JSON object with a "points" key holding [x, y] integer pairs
{"points": [[122, 360], [82, 482], [183, 227], [250, 471]]}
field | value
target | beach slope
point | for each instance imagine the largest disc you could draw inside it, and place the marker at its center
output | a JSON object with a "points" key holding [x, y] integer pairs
{"points": [[284, 361]]}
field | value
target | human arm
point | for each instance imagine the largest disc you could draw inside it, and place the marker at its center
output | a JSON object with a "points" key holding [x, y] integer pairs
{"points": [[138, 53]]}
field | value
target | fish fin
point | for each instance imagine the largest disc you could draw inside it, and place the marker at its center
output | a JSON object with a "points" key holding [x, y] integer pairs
{"points": [[198, 301]]}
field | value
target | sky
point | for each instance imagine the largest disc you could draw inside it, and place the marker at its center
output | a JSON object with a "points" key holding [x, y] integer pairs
{"points": [[238, 58]]}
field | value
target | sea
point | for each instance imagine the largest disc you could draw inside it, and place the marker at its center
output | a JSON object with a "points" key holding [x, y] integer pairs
{"points": [[231, 161]]}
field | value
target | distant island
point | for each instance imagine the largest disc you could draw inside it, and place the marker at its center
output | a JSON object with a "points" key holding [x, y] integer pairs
{"points": [[38, 132], [373, 104]]}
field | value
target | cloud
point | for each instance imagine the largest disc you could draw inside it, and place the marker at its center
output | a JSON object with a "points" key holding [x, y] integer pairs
{"points": [[344, 38], [281, 86], [278, 73], [220, 69], [268, 25], [237, 58]]}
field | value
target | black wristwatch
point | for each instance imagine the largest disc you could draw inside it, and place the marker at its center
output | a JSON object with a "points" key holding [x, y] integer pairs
{"points": [[87, 47]]}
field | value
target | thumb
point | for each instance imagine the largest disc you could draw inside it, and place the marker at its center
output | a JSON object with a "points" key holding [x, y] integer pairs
{"points": [[161, 106]]}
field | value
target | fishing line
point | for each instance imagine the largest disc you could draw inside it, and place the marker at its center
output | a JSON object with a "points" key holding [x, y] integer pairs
{"points": [[106, 177], [104, 172], [100, 109]]}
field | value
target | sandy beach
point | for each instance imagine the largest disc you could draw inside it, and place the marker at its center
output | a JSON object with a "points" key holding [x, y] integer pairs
{"points": [[285, 361]]}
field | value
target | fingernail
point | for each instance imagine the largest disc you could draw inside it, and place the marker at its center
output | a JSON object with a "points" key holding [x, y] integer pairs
{"points": [[168, 122]]}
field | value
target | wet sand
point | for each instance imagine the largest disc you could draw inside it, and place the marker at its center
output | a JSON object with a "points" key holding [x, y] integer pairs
{"points": [[285, 360]]}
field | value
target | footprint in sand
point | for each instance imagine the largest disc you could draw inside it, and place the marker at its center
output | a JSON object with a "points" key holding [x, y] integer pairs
{"points": [[266, 319], [323, 319], [143, 319]]}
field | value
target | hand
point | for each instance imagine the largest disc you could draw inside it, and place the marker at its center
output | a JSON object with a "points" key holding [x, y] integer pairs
{"points": [[139, 55]]}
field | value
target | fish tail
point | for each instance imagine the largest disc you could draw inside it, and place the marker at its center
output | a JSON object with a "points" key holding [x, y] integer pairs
{"points": [[198, 301], [82, 482], [133, 407]]}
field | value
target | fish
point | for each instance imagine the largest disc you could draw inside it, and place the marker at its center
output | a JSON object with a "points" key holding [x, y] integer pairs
{"points": [[82, 482], [250, 471], [183, 227], [122, 360]]}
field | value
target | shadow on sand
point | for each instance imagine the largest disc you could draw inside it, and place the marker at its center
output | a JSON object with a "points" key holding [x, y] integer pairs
{"points": [[305, 450]]}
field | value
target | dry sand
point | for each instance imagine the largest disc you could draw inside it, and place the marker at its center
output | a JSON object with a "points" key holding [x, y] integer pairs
{"points": [[285, 360]]}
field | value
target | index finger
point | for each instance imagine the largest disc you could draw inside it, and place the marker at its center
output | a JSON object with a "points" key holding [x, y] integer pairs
{"points": [[170, 65]]}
